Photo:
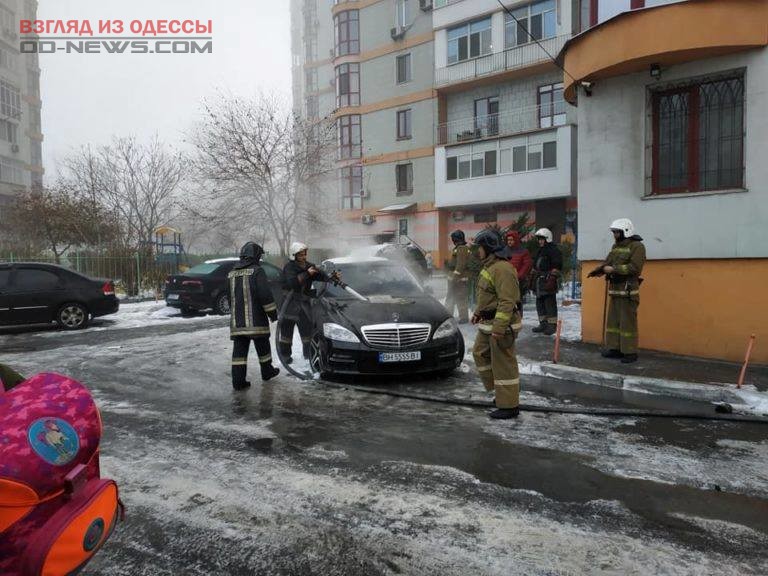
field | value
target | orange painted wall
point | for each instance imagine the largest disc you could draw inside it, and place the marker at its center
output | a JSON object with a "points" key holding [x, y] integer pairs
{"points": [[705, 308]]}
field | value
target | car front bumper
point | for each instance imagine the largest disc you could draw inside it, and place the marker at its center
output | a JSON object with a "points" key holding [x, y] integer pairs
{"points": [[345, 358]]}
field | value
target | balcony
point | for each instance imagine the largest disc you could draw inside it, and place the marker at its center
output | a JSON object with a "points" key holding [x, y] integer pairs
{"points": [[516, 58], [508, 123]]}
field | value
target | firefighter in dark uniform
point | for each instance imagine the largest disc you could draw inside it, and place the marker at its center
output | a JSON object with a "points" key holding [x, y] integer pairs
{"points": [[498, 321], [458, 277], [547, 268], [622, 269], [298, 276], [252, 307]]}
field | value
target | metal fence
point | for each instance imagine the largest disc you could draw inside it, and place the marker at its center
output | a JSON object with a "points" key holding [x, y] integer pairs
{"points": [[133, 275]]}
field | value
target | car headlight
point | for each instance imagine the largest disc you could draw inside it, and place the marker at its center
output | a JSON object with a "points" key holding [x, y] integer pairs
{"points": [[446, 329], [339, 333]]}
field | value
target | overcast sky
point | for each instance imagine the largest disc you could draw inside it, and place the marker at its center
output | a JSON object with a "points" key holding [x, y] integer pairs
{"points": [[89, 98]]}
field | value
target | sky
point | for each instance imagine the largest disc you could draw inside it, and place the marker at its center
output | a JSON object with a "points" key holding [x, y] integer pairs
{"points": [[88, 98]]}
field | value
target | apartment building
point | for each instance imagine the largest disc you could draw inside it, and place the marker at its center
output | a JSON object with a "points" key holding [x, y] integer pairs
{"points": [[505, 139], [672, 123], [21, 138]]}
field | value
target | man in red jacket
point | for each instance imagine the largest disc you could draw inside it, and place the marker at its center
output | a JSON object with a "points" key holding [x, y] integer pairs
{"points": [[520, 259]]}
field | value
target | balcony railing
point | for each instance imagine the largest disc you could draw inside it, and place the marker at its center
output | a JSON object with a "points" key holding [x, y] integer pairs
{"points": [[505, 124], [512, 59]]}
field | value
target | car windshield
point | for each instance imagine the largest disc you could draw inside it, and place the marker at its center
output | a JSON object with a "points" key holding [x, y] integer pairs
{"points": [[369, 279], [201, 269]]}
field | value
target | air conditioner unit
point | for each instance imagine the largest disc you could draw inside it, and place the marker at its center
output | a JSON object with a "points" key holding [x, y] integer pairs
{"points": [[368, 219], [425, 5], [15, 148], [397, 32]]}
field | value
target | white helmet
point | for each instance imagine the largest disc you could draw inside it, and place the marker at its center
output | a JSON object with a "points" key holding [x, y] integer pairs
{"points": [[544, 233], [624, 225], [296, 247]]}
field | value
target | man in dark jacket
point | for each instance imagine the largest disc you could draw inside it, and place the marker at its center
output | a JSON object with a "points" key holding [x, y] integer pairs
{"points": [[622, 269], [298, 276], [252, 307], [546, 272]]}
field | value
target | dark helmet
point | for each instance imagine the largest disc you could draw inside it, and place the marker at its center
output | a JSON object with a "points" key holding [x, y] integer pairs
{"points": [[492, 241], [458, 236], [251, 252]]}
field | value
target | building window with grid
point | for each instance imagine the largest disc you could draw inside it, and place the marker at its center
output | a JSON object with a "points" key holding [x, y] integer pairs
{"points": [[551, 105], [310, 79], [11, 172], [537, 20], [487, 117], [469, 41], [351, 178], [347, 32], [8, 24], [404, 179], [9, 131], [403, 13], [313, 106], [348, 85], [698, 136], [404, 127], [506, 156], [10, 100], [350, 137], [404, 69]]}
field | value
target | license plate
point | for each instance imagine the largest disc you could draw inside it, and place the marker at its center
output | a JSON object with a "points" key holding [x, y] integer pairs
{"points": [[172, 297], [400, 356]]}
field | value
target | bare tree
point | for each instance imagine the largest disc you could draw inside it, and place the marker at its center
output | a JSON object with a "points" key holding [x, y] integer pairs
{"points": [[258, 166], [137, 183]]}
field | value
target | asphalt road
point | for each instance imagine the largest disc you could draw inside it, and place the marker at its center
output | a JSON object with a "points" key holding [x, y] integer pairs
{"points": [[294, 478]]}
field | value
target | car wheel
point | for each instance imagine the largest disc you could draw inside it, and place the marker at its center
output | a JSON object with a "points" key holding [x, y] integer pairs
{"points": [[316, 362], [186, 311], [222, 304], [72, 317]]}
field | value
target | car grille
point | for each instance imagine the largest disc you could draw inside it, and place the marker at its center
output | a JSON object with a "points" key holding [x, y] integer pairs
{"points": [[396, 335]]}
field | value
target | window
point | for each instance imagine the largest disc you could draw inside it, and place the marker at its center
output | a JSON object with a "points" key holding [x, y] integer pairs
{"points": [[350, 137], [310, 48], [698, 136], [509, 155], [10, 100], [9, 131], [30, 279], [404, 124], [7, 60], [402, 16], [351, 178], [469, 41], [472, 161], [34, 121], [402, 227], [537, 20], [487, 116], [11, 172], [36, 150], [485, 216], [551, 105], [313, 106], [7, 23], [549, 155], [347, 31], [310, 78], [348, 85], [404, 177], [404, 69]]}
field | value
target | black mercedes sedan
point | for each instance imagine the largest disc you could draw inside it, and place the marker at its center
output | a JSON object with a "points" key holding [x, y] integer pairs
{"points": [[204, 287], [398, 329], [32, 293]]}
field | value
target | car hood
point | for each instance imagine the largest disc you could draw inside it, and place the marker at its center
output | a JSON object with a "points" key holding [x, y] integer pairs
{"points": [[385, 310]]}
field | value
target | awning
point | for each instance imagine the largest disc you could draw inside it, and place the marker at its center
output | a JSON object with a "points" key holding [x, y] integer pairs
{"points": [[398, 208]]}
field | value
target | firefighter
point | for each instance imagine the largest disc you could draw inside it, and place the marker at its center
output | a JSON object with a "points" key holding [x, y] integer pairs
{"points": [[546, 273], [298, 275], [498, 321], [458, 277], [252, 307], [521, 259], [622, 268]]}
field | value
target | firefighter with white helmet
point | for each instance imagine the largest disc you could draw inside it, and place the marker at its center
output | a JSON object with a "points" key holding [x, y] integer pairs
{"points": [[622, 268], [547, 267]]}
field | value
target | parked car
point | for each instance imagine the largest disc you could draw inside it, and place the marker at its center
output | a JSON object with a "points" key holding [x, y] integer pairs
{"points": [[401, 329], [44, 293], [408, 254], [204, 287]]}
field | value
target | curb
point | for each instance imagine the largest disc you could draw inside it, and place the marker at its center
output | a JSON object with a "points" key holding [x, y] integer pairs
{"points": [[655, 386]]}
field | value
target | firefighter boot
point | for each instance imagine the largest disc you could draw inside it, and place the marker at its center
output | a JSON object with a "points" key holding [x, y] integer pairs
{"points": [[269, 372], [241, 385], [505, 413], [540, 328], [612, 353], [549, 329]]}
